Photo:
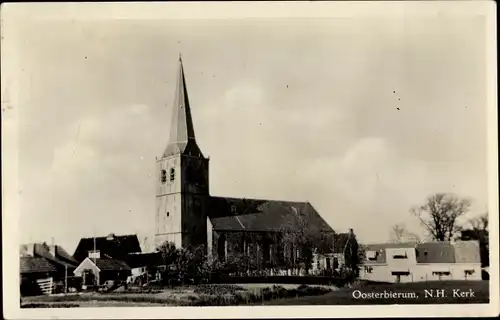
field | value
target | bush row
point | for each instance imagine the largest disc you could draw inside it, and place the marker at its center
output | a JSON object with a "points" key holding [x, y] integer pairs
{"points": [[265, 294]]}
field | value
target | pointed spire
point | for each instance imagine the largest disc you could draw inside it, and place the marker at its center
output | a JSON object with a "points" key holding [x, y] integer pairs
{"points": [[182, 135]]}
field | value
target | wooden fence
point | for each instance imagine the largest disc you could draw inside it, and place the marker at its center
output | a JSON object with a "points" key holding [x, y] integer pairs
{"points": [[46, 285]]}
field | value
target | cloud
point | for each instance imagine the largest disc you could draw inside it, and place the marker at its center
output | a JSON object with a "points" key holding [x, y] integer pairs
{"points": [[98, 173]]}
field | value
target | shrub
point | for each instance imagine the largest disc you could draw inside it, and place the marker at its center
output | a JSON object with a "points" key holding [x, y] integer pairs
{"points": [[217, 289]]}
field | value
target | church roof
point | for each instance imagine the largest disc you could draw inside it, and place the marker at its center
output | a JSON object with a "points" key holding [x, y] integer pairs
{"points": [[240, 214], [182, 138]]}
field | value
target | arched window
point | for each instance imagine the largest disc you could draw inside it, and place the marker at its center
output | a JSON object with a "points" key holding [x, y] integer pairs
{"points": [[172, 174], [163, 177]]}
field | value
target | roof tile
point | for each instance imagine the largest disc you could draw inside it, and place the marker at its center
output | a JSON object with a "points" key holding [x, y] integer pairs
{"points": [[240, 214], [35, 265]]}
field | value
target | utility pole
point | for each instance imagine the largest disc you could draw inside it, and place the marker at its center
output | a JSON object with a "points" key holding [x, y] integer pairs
{"points": [[65, 279]]}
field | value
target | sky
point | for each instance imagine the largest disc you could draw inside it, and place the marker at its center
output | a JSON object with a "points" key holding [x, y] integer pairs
{"points": [[363, 118]]}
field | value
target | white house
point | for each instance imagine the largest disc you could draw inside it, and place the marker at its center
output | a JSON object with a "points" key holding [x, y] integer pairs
{"points": [[95, 271], [411, 262]]}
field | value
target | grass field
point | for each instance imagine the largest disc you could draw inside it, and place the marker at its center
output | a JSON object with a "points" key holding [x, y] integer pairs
{"points": [[204, 295], [417, 291], [255, 294]]}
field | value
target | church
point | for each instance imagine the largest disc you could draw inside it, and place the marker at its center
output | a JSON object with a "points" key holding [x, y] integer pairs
{"points": [[267, 231]]}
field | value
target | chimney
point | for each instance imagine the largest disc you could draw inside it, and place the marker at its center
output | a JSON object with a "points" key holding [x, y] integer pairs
{"points": [[52, 250], [111, 236], [23, 250], [29, 250], [351, 231]]}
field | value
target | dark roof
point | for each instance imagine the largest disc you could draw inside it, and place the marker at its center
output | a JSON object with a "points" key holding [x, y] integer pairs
{"points": [[111, 264], [378, 246], [64, 255], [435, 252], [240, 214], [55, 253], [381, 256], [110, 247], [143, 259], [35, 265], [467, 252]]}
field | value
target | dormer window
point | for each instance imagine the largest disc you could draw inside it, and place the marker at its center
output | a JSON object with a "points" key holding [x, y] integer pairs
{"points": [[172, 174], [372, 255], [233, 209], [163, 176]]}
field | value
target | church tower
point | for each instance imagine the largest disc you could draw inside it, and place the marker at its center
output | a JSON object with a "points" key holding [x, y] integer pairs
{"points": [[182, 192]]}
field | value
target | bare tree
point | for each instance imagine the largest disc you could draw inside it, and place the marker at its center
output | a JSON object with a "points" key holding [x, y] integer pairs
{"points": [[439, 215], [400, 234], [480, 224]]}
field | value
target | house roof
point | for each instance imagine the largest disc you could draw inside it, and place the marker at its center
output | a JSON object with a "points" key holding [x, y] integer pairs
{"points": [[435, 252], [240, 214], [55, 253], [143, 259], [111, 264], [467, 252], [379, 246], [35, 265], [380, 249], [63, 254], [110, 247], [432, 252]]}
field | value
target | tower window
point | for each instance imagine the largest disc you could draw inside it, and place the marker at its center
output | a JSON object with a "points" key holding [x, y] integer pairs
{"points": [[172, 174], [163, 176], [168, 214]]}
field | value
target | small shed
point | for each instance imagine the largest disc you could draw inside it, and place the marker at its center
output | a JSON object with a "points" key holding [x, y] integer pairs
{"points": [[37, 275], [97, 271]]}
